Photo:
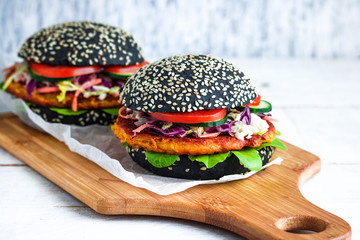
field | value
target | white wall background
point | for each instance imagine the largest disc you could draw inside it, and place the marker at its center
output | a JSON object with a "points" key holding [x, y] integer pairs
{"points": [[229, 28]]}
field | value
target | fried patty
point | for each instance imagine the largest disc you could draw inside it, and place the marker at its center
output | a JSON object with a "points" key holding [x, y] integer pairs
{"points": [[186, 145], [50, 100]]}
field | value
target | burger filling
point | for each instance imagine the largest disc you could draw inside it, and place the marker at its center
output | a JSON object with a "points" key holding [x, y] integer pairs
{"points": [[84, 81], [241, 133], [237, 124]]}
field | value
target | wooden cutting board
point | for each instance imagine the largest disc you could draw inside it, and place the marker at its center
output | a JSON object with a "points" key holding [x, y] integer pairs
{"points": [[267, 205]]}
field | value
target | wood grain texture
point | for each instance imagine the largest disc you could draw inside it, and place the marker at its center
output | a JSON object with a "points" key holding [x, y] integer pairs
{"points": [[266, 206]]}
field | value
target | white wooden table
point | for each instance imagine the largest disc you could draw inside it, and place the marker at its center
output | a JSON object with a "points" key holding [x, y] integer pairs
{"points": [[318, 105]]}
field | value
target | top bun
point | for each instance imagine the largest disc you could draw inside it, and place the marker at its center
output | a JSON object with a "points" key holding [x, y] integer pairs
{"points": [[81, 44], [187, 83]]}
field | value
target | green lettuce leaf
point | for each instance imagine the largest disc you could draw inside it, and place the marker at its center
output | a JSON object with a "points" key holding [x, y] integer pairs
{"points": [[210, 160], [275, 143], [112, 111], [161, 160], [250, 158], [67, 111]]}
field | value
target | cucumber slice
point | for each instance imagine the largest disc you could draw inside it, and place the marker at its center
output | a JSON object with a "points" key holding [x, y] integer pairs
{"points": [[118, 75], [40, 78], [263, 107], [207, 124]]}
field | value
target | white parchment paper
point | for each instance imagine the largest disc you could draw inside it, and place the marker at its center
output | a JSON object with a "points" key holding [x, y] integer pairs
{"points": [[98, 144]]}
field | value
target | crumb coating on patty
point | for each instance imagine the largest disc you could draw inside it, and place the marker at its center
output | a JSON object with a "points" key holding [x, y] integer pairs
{"points": [[186, 145]]}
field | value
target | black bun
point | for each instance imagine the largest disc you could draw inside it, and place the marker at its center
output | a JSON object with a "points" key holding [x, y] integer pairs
{"points": [[89, 117], [80, 44], [187, 83], [187, 169]]}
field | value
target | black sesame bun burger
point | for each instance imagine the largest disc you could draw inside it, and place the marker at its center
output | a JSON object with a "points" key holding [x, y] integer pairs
{"points": [[72, 72], [195, 117]]}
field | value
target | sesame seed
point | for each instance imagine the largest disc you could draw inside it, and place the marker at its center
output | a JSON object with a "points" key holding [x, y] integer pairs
{"points": [[214, 83], [68, 38]]}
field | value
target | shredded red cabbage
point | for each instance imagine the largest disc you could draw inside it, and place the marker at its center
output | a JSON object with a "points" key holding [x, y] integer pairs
{"points": [[105, 83], [171, 131], [82, 79], [30, 86], [157, 126], [119, 83], [245, 116], [226, 127]]}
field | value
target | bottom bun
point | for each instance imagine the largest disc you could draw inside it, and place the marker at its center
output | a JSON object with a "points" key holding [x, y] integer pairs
{"points": [[90, 117], [186, 169]]}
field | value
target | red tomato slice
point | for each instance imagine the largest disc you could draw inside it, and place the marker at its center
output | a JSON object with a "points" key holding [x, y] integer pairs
{"points": [[256, 101], [192, 117], [125, 69], [62, 71]]}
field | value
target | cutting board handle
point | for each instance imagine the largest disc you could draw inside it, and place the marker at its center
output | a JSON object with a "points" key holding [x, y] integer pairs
{"points": [[283, 213], [310, 221], [306, 221]]}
